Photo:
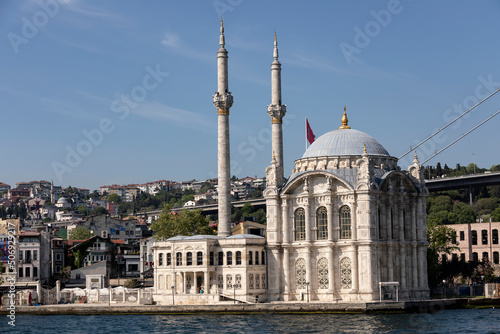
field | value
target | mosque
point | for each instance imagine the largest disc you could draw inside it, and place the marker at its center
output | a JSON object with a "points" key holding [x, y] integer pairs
{"points": [[347, 225]]}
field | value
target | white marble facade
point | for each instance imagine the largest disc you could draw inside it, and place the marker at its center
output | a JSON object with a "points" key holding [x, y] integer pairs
{"points": [[345, 220]]}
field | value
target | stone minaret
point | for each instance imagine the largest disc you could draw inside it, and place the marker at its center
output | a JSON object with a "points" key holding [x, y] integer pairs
{"points": [[223, 100], [277, 111]]}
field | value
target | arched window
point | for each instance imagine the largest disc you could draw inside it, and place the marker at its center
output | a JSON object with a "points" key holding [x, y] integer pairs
{"points": [[256, 258], [322, 223], [250, 258], [263, 259], [189, 259], [199, 258], [229, 282], [220, 259], [484, 237], [345, 273], [178, 259], [229, 259], [169, 259], [250, 281], [494, 237], [237, 281], [238, 257], [495, 258], [300, 224], [474, 237], [345, 222], [300, 274], [211, 258], [485, 256], [323, 273], [160, 259]]}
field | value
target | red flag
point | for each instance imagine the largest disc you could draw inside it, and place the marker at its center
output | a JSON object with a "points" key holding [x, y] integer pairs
{"points": [[310, 135]]}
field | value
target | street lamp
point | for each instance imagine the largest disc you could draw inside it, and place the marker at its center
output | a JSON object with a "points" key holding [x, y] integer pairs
{"points": [[307, 287], [234, 296], [173, 294], [444, 288]]}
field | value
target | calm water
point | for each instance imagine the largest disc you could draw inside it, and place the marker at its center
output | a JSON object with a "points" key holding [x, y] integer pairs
{"points": [[452, 321]]}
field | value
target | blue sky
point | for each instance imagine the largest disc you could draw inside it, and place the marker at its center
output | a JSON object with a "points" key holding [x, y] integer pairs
{"points": [[402, 68]]}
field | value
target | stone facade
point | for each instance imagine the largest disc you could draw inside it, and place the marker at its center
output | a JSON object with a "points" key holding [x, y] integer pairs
{"points": [[209, 269], [346, 220]]}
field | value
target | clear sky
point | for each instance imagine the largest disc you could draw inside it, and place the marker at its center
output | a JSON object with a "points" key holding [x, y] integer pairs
{"points": [[402, 68]]}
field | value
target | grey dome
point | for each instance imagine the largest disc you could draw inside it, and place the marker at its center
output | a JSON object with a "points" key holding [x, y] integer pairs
{"points": [[344, 142]]}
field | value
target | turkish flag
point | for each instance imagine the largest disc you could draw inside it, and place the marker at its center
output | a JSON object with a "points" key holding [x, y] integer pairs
{"points": [[310, 135]]}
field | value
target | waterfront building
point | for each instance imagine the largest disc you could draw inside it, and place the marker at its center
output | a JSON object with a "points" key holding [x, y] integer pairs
{"points": [[477, 242], [347, 219], [33, 257]]}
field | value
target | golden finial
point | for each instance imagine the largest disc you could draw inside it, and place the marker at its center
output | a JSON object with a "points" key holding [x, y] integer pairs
{"points": [[416, 155], [221, 24], [344, 121], [274, 156], [275, 36], [364, 148]]}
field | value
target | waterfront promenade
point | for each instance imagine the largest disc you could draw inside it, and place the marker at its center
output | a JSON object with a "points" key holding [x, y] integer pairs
{"points": [[424, 306]]}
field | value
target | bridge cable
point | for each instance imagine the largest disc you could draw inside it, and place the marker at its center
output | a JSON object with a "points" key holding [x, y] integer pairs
{"points": [[447, 125], [465, 134]]}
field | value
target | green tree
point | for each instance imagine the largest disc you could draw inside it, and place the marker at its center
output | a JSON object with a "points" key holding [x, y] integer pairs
{"points": [[79, 233], [83, 210], [114, 198], [440, 203], [186, 222], [485, 206], [98, 211], [495, 215], [464, 214], [247, 209], [442, 240]]}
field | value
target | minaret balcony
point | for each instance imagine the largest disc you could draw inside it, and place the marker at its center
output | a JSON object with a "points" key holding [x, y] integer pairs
{"points": [[223, 101]]}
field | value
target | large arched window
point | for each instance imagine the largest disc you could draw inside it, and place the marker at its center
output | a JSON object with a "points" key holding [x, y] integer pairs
{"points": [[238, 257], [300, 274], [189, 258], [322, 223], [199, 258], [250, 258], [229, 258], [263, 258], [345, 222], [323, 273], [169, 259], [300, 224], [474, 237], [220, 259], [345, 273], [160, 259], [178, 259]]}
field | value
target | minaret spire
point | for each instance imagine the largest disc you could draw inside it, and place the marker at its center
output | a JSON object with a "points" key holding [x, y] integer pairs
{"points": [[223, 100], [222, 41], [277, 111]]}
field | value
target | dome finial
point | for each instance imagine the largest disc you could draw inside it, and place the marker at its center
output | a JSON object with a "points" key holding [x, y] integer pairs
{"points": [[345, 121], [364, 148]]}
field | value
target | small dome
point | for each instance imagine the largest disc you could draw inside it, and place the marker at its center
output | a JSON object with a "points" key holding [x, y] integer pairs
{"points": [[62, 200], [343, 142]]}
